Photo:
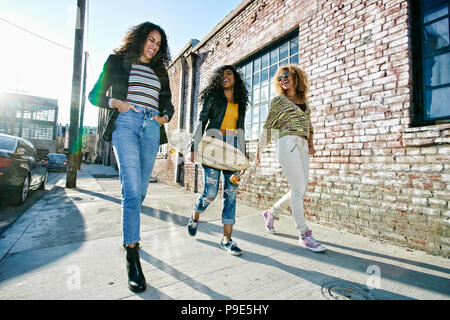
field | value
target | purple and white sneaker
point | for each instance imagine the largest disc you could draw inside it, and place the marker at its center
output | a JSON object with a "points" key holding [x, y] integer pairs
{"points": [[307, 241], [268, 220]]}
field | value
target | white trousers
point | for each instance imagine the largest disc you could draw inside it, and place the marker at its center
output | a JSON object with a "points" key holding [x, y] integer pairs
{"points": [[293, 156]]}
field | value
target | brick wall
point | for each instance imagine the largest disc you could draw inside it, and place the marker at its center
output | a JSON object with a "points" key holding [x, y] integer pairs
{"points": [[372, 174], [165, 164]]}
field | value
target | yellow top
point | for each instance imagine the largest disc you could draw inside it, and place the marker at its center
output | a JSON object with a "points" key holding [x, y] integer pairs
{"points": [[230, 119]]}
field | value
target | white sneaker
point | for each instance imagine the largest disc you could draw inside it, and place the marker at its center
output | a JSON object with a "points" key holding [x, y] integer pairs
{"points": [[307, 241], [268, 220]]}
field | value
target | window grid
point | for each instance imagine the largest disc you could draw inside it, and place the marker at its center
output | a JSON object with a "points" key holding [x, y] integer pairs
{"points": [[37, 131], [258, 74]]}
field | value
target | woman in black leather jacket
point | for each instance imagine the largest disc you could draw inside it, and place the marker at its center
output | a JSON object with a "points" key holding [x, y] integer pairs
{"points": [[141, 101], [225, 101]]}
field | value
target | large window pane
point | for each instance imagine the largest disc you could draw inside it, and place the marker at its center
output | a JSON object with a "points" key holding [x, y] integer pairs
{"points": [[294, 59], [256, 95], [272, 94], [263, 111], [255, 114], [248, 83], [294, 46], [274, 56], [436, 35], [264, 77], [256, 80], [257, 65], [434, 9], [248, 69], [264, 61], [241, 72], [437, 102], [273, 70], [264, 93], [248, 118], [284, 51], [438, 70]]}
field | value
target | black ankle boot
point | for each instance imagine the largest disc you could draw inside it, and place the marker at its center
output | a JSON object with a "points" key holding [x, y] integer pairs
{"points": [[136, 279]]}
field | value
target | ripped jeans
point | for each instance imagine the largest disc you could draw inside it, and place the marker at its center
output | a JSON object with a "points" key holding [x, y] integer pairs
{"points": [[211, 188]]}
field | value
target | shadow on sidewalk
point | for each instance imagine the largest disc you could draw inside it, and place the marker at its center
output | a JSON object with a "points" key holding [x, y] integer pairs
{"points": [[375, 254], [52, 234], [392, 272], [384, 256], [100, 195], [314, 277], [389, 271], [180, 276]]}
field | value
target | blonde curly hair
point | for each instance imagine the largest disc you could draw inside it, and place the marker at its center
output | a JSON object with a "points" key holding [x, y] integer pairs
{"points": [[300, 80]]}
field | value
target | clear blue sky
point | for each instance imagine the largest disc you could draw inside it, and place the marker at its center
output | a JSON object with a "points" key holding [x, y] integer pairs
{"points": [[34, 66]]}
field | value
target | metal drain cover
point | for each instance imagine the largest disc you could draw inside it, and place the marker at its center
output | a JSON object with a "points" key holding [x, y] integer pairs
{"points": [[341, 290]]}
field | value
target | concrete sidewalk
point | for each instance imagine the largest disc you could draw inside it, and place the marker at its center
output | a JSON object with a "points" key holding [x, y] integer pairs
{"points": [[68, 246]]}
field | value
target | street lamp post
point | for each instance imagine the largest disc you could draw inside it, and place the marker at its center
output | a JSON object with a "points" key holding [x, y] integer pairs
{"points": [[71, 180]]}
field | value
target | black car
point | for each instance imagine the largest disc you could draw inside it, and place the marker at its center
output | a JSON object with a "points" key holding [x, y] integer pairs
{"points": [[57, 162], [21, 170]]}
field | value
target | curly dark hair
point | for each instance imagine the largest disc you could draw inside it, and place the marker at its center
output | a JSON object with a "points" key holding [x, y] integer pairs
{"points": [[214, 88], [134, 41]]}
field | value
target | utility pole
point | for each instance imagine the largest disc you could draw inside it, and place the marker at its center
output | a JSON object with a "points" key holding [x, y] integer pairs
{"points": [[71, 180], [83, 103]]}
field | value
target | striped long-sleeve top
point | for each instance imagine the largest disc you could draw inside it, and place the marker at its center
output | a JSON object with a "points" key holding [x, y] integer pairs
{"points": [[285, 118], [143, 87]]}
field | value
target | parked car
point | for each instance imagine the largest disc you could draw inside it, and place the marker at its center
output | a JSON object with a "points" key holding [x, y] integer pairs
{"points": [[57, 162], [21, 170]]}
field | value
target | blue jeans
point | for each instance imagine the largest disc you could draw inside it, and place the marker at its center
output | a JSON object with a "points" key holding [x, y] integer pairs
{"points": [[136, 144], [211, 188]]}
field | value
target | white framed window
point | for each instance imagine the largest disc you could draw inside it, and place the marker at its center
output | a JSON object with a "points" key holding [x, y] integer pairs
{"points": [[258, 72]]}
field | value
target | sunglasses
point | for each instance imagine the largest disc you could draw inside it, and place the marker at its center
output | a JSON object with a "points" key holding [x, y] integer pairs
{"points": [[284, 76]]}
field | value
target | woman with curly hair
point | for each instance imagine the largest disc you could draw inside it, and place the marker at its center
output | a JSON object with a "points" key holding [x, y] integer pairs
{"points": [[290, 119], [222, 116], [140, 103]]}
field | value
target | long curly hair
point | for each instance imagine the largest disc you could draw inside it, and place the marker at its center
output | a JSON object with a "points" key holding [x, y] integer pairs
{"points": [[300, 80], [214, 87], [134, 41]]}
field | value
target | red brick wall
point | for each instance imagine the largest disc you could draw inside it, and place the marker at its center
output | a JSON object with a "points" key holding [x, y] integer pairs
{"points": [[372, 174], [164, 168]]}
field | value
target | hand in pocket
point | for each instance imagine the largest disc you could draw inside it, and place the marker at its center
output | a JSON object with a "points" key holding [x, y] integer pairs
{"points": [[122, 106]]}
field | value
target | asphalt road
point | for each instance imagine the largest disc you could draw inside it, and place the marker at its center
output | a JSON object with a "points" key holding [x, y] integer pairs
{"points": [[9, 213]]}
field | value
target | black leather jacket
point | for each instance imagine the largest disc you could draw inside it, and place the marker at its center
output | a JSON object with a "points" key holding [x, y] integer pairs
{"points": [[116, 72], [210, 119]]}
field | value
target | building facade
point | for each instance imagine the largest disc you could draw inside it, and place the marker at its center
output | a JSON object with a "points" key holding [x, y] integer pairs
{"points": [[379, 92], [89, 143], [30, 117]]}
